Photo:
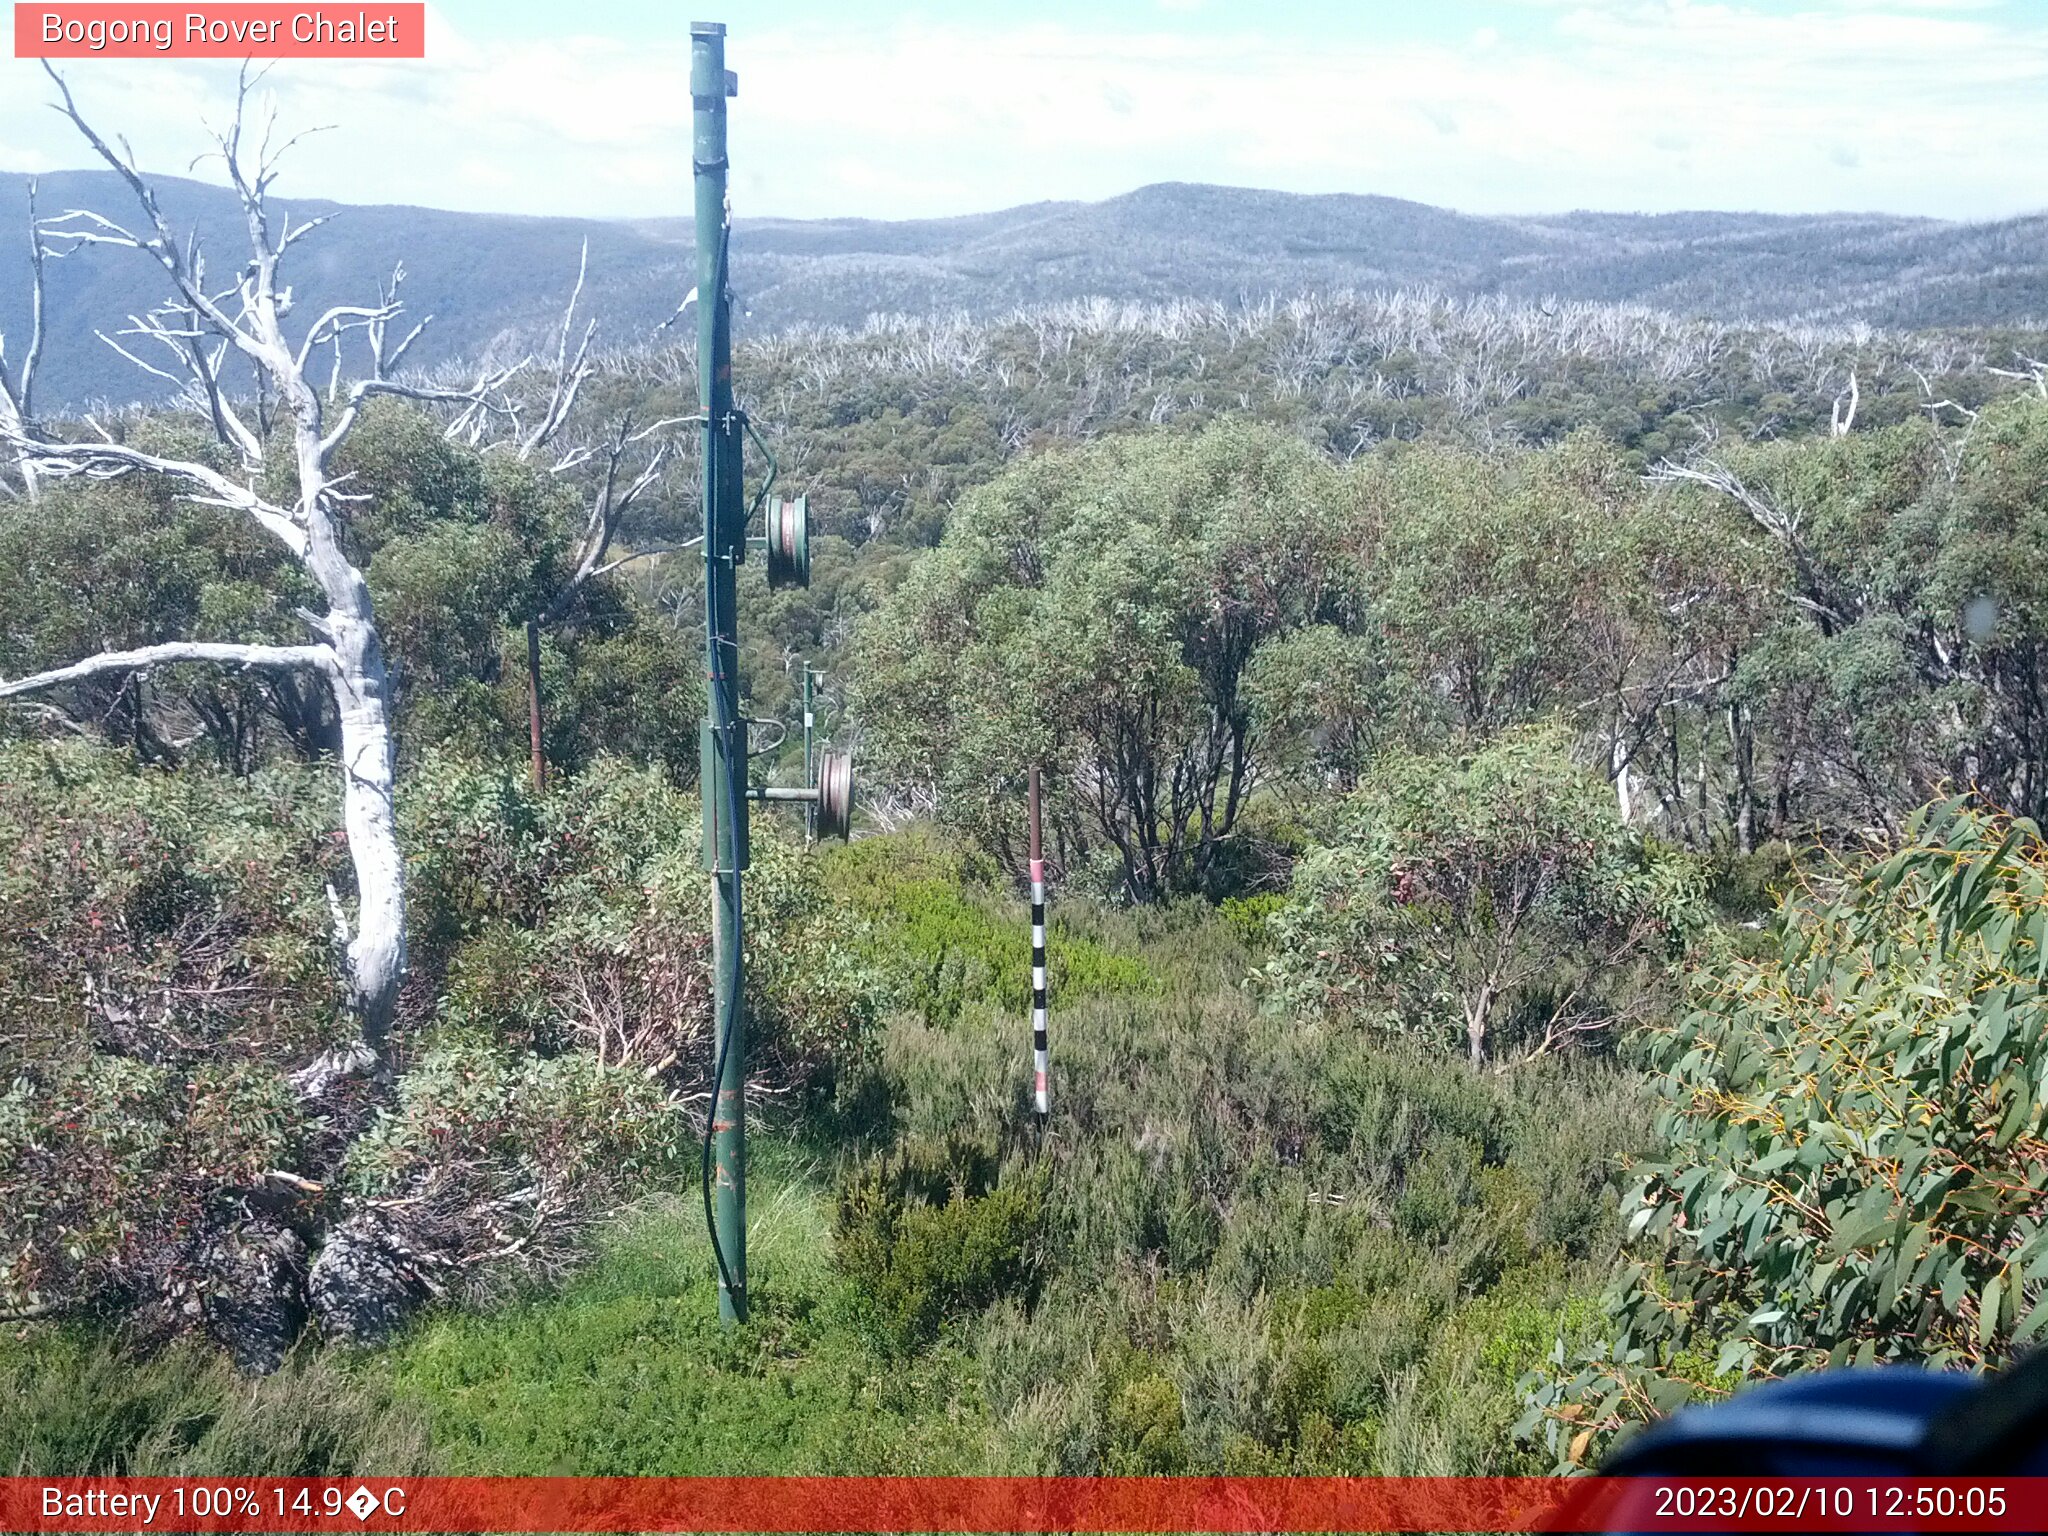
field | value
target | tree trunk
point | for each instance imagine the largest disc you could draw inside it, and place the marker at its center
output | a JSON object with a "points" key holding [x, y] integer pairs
{"points": [[376, 951], [533, 723], [363, 699], [1624, 789], [362, 696], [1743, 750]]}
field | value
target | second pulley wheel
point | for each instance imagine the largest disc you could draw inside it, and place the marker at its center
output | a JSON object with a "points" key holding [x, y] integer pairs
{"points": [[835, 795], [789, 542]]}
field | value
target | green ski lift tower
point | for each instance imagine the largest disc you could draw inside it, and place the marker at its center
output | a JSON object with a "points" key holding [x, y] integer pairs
{"points": [[723, 780]]}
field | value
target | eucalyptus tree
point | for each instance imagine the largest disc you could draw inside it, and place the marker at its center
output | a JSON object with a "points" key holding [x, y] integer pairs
{"points": [[627, 461], [1852, 1139], [1098, 611], [1489, 898], [1907, 642], [1510, 588]]}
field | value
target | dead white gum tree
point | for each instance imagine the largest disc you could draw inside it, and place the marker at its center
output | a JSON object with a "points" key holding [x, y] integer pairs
{"points": [[202, 331], [624, 460], [18, 385]]}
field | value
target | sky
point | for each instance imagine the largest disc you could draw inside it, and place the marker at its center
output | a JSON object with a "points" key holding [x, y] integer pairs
{"points": [[581, 107]]}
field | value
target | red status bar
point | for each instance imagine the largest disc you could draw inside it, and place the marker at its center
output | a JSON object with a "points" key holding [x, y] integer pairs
{"points": [[1007, 1504]]}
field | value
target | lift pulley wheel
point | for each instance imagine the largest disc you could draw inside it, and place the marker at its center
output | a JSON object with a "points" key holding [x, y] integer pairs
{"points": [[835, 795], [789, 542]]}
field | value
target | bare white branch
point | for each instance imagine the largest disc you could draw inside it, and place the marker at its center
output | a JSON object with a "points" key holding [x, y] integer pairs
{"points": [[610, 501], [1779, 521], [272, 657], [110, 461], [2031, 370], [570, 370], [1844, 414]]}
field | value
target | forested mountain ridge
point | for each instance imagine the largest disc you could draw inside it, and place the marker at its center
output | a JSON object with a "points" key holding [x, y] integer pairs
{"points": [[493, 281], [1178, 240]]}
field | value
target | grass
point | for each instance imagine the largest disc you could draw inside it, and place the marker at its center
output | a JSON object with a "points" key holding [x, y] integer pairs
{"points": [[627, 1371], [78, 1403]]}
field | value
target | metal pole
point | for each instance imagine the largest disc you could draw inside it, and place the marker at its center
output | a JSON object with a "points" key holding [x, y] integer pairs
{"points": [[1041, 1054], [722, 780], [810, 763]]}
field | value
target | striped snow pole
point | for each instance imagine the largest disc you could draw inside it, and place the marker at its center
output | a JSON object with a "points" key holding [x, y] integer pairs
{"points": [[1041, 1062]]}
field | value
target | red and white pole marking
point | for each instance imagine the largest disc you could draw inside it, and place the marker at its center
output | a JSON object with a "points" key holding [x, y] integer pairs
{"points": [[1041, 1058]]}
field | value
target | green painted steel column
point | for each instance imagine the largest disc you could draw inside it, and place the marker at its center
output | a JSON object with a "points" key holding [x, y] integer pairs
{"points": [[722, 781], [810, 759]]}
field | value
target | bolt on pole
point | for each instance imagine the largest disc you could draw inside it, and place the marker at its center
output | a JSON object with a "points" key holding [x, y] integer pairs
{"points": [[723, 759]]}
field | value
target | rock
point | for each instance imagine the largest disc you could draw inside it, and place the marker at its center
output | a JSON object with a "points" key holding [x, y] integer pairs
{"points": [[251, 1282], [361, 1285]]}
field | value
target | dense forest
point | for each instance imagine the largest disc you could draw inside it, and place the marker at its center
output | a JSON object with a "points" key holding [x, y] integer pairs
{"points": [[1549, 920]]}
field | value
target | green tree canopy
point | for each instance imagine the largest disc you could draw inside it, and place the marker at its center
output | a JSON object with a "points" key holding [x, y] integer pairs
{"points": [[1491, 897], [458, 547], [1097, 610]]}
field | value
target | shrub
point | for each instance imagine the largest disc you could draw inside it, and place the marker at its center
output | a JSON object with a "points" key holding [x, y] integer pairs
{"points": [[492, 1165], [163, 964], [928, 1234], [1852, 1141], [168, 917], [1143, 1425], [1748, 885], [1492, 896], [1251, 917], [166, 966], [945, 945], [579, 917]]}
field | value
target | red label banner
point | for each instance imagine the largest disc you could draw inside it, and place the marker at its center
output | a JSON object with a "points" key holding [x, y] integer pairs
{"points": [[1021, 1504], [240, 31]]}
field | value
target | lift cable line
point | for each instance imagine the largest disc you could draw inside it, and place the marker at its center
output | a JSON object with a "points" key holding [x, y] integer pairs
{"points": [[811, 676]]}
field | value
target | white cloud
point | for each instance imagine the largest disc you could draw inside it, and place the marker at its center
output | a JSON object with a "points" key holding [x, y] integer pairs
{"points": [[1911, 105]]}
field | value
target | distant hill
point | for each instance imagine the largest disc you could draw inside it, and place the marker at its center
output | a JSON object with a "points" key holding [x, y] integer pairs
{"points": [[1178, 240], [488, 280], [497, 281]]}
